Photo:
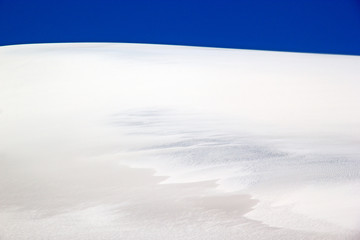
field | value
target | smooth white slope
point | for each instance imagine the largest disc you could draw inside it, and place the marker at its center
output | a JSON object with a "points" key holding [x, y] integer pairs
{"points": [[282, 127]]}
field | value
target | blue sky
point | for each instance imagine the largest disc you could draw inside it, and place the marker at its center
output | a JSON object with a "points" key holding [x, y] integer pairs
{"points": [[319, 26]]}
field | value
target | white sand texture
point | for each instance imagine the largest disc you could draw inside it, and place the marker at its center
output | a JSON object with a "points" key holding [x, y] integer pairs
{"points": [[119, 141]]}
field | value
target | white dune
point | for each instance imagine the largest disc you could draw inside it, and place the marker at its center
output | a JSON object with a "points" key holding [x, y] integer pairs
{"points": [[137, 141]]}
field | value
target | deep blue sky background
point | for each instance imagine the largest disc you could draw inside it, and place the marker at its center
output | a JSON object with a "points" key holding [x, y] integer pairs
{"points": [[320, 26]]}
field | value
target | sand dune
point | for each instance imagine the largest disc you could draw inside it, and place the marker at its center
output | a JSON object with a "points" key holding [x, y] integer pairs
{"points": [[136, 141]]}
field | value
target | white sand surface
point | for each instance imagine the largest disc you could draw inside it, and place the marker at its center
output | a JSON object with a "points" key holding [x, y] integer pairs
{"points": [[136, 141]]}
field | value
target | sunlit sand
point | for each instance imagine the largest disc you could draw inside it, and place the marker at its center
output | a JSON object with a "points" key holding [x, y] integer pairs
{"points": [[135, 141]]}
